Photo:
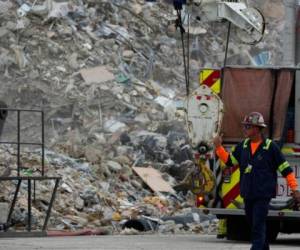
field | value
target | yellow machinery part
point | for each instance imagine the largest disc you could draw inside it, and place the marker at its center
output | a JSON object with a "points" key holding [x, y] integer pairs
{"points": [[202, 179]]}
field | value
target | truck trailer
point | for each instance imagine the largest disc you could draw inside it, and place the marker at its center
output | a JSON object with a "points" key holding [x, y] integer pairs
{"points": [[274, 93]]}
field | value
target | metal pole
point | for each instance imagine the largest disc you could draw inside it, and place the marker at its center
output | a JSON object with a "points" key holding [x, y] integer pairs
{"points": [[12, 207], [50, 205], [18, 139], [225, 56], [43, 144], [29, 206], [272, 111], [34, 188], [227, 44]]}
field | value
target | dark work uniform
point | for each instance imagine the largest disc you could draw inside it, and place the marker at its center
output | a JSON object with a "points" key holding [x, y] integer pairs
{"points": [[258, 181]]}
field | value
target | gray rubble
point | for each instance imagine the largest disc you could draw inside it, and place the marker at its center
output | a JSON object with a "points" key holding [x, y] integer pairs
{"points": [[109, 76]]}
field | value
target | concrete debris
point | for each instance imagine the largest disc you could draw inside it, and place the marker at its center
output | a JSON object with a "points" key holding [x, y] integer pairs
{"points": [[114, 126], [129, 231], [153, 179], [189, 222], [96, 75], [5, 6], [4, 212], [23, 10], [109, 76]]}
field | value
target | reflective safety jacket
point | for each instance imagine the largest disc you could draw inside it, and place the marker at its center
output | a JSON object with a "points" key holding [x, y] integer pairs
{"points": [[259, 170]]}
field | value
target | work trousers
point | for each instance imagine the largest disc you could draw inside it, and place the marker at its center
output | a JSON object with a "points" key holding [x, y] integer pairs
{"points": [[256, 212]]}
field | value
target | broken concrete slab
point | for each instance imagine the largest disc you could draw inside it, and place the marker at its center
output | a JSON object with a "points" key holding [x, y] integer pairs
{"points": [[98, 74], [153, 179]]}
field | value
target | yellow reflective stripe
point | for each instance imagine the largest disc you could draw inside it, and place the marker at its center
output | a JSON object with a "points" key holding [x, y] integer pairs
{"points": [[235, 179], [238, 200], [245, 143], [216, 87], [268, 143], [233, 159], [204, 74], [248, 170], [283, 166]]}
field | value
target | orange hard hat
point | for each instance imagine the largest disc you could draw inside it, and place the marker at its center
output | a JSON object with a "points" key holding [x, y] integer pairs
{"points": [[255, 119]]}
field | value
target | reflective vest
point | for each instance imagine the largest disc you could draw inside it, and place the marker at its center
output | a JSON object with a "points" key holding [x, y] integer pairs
{"points": [[258, 171]]}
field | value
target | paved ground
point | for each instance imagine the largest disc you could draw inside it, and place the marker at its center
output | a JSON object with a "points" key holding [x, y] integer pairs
{"points": [[145, 242]]}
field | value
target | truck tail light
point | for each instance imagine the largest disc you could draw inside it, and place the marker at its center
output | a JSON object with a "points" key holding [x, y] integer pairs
{"points": [[199, 200]]}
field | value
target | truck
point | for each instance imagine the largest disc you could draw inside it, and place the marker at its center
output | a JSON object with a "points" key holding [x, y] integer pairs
{"points": [[224, 97], [274, 92]]}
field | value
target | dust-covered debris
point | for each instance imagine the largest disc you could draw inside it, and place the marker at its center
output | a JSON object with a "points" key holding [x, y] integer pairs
{"points": [[109, 76]]}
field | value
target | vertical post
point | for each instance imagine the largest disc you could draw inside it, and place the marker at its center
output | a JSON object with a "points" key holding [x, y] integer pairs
{"points": [[227, 45], [43, 144], [272, 111], [34, 188], [12, 207], [50, 204], [226, 54], [29, 206], [19, 140]]}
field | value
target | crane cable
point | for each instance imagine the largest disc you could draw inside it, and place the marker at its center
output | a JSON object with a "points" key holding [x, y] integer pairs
{"points": [[186, 62], [200, 179]]}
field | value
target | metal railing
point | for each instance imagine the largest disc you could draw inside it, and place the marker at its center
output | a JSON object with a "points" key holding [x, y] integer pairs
{"points": [[19, 143], [29, 179]]}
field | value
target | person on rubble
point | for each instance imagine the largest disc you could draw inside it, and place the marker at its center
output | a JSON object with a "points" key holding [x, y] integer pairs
{"points": [[259, 159]]}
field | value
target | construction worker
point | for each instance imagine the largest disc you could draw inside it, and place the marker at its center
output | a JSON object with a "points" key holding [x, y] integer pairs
{"points": [[259, 159]]}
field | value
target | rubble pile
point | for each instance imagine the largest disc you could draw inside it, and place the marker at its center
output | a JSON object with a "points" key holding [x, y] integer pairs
{"points": [[109, 75], [102, 196]]}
